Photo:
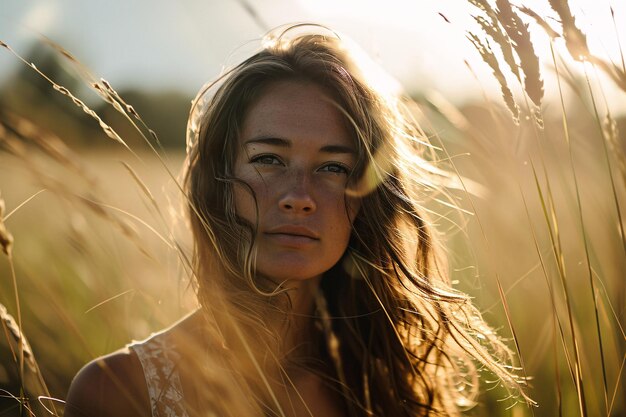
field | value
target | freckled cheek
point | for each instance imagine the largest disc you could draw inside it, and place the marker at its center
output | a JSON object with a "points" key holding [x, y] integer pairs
{"points": [[248, 198], [349, 207], [342, 216]]}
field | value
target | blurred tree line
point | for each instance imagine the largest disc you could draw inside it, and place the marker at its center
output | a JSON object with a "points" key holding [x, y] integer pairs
{"points": [[31, 96]]}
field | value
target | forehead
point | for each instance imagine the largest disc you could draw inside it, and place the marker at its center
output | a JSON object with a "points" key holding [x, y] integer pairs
{"points": [[296, 111]]}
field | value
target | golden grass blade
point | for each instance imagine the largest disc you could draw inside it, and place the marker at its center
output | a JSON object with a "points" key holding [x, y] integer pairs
{"points": [[257, 367], [557, 372], [110, 299], [582, 225], [607, 158], [575, 367], [172, 243], [62, 313], [619, 377], [604, 300], [611, 307], [514, 285], [501, 292], [19, 206], [142, 185], [144, 188], [509, 320], [132, 216], [54, 147]]}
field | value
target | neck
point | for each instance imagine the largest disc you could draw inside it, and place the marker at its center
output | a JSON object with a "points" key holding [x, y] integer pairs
{"points": [[297, 324]]}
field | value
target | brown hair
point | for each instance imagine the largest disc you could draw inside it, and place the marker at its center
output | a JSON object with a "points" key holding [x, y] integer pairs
{"points": [[403, 342]]}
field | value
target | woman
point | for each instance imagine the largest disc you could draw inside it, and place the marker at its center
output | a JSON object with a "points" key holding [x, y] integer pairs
{"points": [[322, 289]]}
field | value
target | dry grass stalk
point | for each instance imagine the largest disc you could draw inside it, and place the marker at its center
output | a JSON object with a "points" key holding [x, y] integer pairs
{"points": [[18, 344], [586, 242], [103, 88], [53, 147], [506, 29], [605, 146], [575, 39], [494, 30], [47, 142], [553, 34], [619, 42], [489, 57], [492, 27], [108, 130], [33, 382], [16, 339], [576, 44], [612, 134], [107, 93], [529, 62]]}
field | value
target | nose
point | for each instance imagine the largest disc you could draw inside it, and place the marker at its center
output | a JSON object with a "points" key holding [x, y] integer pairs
{"points": [[297, 196]]}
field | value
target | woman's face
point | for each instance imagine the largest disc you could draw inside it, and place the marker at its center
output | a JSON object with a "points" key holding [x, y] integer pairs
{"points": [[296, 154]]}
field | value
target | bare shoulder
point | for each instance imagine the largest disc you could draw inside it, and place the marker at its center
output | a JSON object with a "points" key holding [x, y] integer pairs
{"points": [[115, 385], [111, 385]]}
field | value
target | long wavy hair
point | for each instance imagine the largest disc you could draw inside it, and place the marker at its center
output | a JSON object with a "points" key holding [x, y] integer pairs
{"points": [[400, 340]]}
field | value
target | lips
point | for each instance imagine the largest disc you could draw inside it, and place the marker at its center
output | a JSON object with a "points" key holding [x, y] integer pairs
{"points": [[292, 236]]}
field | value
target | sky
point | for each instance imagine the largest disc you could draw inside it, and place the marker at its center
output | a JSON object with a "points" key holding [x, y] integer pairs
{"points": [[163, 44]]}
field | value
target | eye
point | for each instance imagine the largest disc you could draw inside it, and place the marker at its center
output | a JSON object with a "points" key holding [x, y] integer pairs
{"points": [[335, 168], [266, 159]]}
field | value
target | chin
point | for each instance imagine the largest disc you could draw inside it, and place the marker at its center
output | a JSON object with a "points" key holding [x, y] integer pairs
{"points": [[285, 270], [289, 274], [294, 265]]}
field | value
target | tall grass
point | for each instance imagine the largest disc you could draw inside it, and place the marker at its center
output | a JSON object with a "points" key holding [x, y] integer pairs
{"points": [[92, 258], [587, 343]]}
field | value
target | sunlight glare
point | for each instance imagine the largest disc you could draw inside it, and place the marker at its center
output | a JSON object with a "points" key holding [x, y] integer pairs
{"points": [[41, 17]]}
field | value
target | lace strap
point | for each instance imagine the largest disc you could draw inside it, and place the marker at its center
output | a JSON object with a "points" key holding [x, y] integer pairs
{"points": [[159, 363]]}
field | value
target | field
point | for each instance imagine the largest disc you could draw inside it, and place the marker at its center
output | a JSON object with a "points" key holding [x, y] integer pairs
{"points": [[536, 238]]}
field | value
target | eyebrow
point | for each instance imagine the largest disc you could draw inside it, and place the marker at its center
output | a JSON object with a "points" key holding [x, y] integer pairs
{"points": [[340, 149]]}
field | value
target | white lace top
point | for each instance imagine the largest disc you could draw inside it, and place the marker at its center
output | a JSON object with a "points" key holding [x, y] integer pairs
{"points": [[160, 367]]}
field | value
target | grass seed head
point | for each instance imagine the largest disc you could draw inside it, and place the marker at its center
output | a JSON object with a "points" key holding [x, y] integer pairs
{"points": [[489, 57], [16, 338], [517, 31], [575, 39], [553, 34]]}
